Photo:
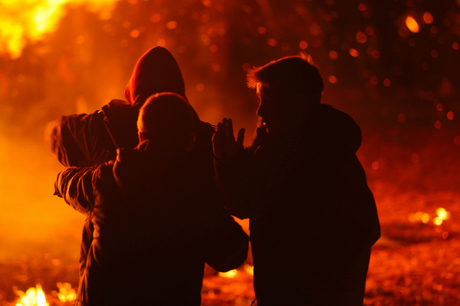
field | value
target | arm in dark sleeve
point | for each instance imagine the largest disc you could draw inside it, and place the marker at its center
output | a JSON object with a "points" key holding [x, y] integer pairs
{"points": [[75, 185], [226, 243], [81, 140], [235, 179]]}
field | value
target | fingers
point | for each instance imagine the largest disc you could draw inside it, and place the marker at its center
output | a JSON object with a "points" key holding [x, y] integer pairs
{"points": [[219, 133], [225, 130], [240, 137]]}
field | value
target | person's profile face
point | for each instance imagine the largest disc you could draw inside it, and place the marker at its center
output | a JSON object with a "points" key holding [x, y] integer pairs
{"points": [[271, 109], [280, 109]]}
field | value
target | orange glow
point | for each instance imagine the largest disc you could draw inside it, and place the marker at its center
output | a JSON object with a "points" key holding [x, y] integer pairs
{"points": [[428, 18], [441, 216], [425, 218], [375, 54], [32, 297], [262, 30], [171, 25], [229, 274], [412, 24], [455, 46], [437, 124], [374, 80], [303, 45], [450, 115], [249, 269], [66, 293], [402, 118], [332, 79], [353, 52], [22, 21], [200, 87], [333, 55], [375, 165], [272, 42], [361, 37], [457, 140], [369, 31]]}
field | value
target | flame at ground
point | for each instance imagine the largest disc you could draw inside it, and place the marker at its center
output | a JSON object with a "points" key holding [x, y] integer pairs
{"points": [[66, 292], [32, 297], [24, 21]]}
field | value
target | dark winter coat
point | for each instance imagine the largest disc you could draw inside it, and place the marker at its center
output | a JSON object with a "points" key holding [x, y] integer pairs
{"points": [[156, 222], [312, 216], [84, 140]]}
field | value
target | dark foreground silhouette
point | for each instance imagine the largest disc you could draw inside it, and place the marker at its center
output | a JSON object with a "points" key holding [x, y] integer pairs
{"points": [[156, 217], [90, 139], [312, 216]]}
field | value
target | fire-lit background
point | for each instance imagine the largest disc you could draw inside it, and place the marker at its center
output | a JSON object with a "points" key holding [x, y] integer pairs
{"points": [[393, 65]]}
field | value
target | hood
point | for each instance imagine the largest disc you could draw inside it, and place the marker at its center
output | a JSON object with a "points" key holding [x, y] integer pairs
{"points": [[335, 129], [155, 71]]}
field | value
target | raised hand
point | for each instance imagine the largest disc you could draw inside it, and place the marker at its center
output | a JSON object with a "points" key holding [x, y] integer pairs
{"points": [[225, 147]]}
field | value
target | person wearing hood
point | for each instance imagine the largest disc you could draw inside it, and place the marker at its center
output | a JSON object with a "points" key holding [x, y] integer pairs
{"points": [[83, 140], [155, 218], [313, 218]]}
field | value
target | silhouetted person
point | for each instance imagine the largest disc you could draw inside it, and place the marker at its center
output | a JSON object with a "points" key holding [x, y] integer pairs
{"points": [[90, 139], [313, 218], [156, 218]]}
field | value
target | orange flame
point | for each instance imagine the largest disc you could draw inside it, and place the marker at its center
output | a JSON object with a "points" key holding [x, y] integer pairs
{"points": [[66, 292], [229, 274], [24, 21], [32, 297]]}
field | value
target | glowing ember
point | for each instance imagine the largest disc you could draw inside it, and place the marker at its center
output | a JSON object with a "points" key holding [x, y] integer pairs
{"points": [[353, 52], [32, 297], [428, 18], [23, 21], [412, 24], [249, 269], [441, 216], [229, 274], [66, 293]]}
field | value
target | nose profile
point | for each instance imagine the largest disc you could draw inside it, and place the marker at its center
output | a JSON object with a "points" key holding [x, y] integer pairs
{"points": [[261, 109]]}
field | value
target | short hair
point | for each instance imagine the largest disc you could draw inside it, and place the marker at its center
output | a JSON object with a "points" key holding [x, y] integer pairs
{"points": [[167, 118], [297, 74]]}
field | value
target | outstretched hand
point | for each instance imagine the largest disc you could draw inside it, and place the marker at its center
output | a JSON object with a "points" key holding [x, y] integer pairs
{"points": [[225, 147]]}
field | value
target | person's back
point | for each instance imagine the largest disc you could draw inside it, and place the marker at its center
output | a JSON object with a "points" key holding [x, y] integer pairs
{"points": [[156, 218], [150, 226], [313, 203], [312, 216], [83, 140]]}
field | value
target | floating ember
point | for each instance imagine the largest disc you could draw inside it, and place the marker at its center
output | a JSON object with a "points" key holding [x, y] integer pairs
{"points": [[423, 217], [66, 292]]}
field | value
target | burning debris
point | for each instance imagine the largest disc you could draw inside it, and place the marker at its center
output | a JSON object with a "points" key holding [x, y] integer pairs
{"points": [[32, 297]]}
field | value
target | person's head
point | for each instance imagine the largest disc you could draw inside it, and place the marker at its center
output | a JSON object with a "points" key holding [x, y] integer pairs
{"points": [[286, 88], [166, 120], [156, 71]]}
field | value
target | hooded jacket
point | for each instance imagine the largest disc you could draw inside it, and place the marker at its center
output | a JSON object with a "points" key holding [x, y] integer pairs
{"points": [[88, 139], [310, 209], [156, 223], [84, 140]]}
